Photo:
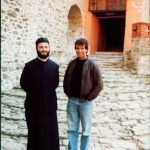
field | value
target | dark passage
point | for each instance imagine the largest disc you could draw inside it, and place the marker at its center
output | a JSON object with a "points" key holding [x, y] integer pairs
{"points": [[112, 34]]}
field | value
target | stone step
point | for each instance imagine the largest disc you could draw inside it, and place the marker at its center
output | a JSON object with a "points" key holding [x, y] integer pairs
{"points": [[120, 114], [109, 53], [16, 96], [13, 105]]}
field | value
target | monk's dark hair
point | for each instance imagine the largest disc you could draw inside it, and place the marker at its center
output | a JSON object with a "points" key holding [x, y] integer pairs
{"points": [[41, 40]]}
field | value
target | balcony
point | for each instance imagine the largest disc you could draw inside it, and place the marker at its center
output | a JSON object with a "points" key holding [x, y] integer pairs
{"points": [[107, 8], [106, 5]]}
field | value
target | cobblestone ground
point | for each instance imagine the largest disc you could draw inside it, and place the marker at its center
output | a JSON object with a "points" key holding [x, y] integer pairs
{"points": [[121, 117]]}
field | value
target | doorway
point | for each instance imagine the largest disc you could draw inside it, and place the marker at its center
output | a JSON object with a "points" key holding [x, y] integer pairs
{"points": [[111, 34]]}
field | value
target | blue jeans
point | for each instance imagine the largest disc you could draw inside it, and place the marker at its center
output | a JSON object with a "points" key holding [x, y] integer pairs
{"points": [[79, 111]]}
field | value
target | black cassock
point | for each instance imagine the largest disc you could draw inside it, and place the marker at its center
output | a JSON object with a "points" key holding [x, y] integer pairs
{"points": [[39, 80]]}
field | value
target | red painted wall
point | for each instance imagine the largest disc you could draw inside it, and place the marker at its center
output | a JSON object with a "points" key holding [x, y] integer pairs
{"points": [[91, 30]]}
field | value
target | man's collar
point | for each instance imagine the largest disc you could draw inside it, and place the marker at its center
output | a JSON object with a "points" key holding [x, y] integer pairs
{"points": [[44, 60]]}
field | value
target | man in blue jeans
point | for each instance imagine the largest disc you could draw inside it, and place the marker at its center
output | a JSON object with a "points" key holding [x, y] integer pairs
{"points": [[82, 84]]}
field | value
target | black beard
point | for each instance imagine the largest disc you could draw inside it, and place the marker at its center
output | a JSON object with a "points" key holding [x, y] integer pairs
{"points": [[42, 56]]}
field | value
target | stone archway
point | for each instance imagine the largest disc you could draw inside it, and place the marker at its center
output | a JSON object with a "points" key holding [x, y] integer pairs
{"points": [[75, 25]]}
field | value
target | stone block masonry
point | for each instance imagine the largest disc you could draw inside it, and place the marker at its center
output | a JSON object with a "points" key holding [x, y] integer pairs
{"points": [[141, 47], [23, 21]]}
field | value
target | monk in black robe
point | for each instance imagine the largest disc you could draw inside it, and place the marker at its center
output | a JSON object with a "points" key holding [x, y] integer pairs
{"points": [[39, 79]]}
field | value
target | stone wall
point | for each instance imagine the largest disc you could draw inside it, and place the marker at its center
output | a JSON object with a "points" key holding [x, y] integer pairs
{"points": [[141, 47], [23, 21]]}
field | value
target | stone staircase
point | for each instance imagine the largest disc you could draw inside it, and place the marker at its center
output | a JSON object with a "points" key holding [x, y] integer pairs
{"points": [[121, 117]]}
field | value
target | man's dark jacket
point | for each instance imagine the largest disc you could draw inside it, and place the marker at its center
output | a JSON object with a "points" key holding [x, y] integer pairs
{"points": [[91, 82], [39, 80]]}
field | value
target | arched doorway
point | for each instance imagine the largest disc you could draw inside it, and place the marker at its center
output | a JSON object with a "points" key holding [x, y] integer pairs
{"points": [[74, 25]]}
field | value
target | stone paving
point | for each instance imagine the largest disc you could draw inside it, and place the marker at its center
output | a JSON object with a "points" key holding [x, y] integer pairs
{"points": [[121, 116]]}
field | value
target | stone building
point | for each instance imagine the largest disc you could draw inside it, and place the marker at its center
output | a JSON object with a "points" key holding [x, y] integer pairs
{"points": [[121, 118], [23, 21]]}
